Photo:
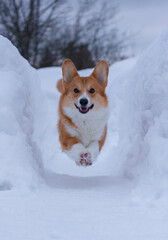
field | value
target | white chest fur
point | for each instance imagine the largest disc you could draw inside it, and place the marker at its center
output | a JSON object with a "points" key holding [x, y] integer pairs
{"points": [[90, 126]]}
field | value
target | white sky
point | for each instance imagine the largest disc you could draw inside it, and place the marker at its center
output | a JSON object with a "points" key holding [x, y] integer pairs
{"points": [[146, 18]]}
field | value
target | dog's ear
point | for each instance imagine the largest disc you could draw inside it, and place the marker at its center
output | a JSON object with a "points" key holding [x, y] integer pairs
{"points": [[60, 86], [101, 72], [68, 71]]}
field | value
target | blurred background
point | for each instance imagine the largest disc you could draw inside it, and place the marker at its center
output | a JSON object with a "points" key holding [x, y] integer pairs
{"points": [[48, 31]]}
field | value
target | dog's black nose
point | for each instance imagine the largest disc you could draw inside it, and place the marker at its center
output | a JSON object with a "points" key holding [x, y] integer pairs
{"points": [[83, 102]]}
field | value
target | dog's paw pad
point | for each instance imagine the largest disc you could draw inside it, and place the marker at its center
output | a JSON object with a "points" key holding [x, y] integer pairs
{"points": [[85, 159], [82, 155]]}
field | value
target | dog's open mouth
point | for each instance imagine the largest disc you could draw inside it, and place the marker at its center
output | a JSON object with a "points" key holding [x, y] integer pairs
{"points": [[84, 109]]}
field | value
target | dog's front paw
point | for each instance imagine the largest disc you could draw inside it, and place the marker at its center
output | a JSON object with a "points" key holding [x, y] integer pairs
{"points": [[85, 159]]}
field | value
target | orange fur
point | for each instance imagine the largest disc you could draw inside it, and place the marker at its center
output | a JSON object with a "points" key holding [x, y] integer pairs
{"points": [[102, 141], [60, 86], [66, 140], [71, 80]]}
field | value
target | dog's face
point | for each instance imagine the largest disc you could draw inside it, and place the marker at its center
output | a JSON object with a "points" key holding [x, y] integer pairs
{"points": [[84, 94]]}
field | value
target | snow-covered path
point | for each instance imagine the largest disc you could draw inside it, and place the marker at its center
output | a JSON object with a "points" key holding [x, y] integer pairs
{"points": [[124, 195], [80, 213]]}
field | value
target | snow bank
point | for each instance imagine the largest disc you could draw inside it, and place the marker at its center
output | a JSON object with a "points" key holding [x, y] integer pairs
{"points": [[20, 113], [137, 140], [142, 148], [136, 148]]}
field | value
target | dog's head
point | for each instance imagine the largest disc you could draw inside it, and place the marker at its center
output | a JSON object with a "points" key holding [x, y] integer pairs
{"points": [[84, 94]]}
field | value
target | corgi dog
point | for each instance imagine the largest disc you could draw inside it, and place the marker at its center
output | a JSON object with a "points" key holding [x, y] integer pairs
{"points": [[83, 112]]}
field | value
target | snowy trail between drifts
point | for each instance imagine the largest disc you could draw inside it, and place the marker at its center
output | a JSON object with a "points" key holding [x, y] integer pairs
{"points": [[93, 213], [79, 203], [44, 195]]}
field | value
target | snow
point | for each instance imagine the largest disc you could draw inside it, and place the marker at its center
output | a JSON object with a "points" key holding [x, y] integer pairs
{"points": [[19, 117], [144, 131], [44, 195]]}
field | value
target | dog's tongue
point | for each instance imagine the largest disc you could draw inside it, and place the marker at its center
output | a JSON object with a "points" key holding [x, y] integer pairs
{"points": [[84, 109]]}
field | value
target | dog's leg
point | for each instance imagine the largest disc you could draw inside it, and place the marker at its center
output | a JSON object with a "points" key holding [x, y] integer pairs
{"points": [[93, 149], [79, 154], [73, 148], [84, 156], [76, 153]]}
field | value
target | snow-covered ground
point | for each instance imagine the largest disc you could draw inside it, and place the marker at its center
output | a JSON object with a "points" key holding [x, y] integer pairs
{"points": [[124, 195]]}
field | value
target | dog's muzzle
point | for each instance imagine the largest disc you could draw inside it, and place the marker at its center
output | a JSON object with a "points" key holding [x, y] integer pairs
{"points": [[84, 109]]}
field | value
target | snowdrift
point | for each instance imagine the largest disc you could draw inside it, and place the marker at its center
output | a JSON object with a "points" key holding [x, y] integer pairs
{"points": [[136, 146], [20, 114], [143, 115], [124, 194]]}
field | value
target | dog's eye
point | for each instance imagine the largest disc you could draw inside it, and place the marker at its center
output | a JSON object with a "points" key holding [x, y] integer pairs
{"points": [[76, 90], [92, 90]]}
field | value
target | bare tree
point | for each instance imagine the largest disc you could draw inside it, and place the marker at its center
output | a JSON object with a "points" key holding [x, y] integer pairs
{"points": [[104, 38], [48, 31], [26, 22], [93, 35]]}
